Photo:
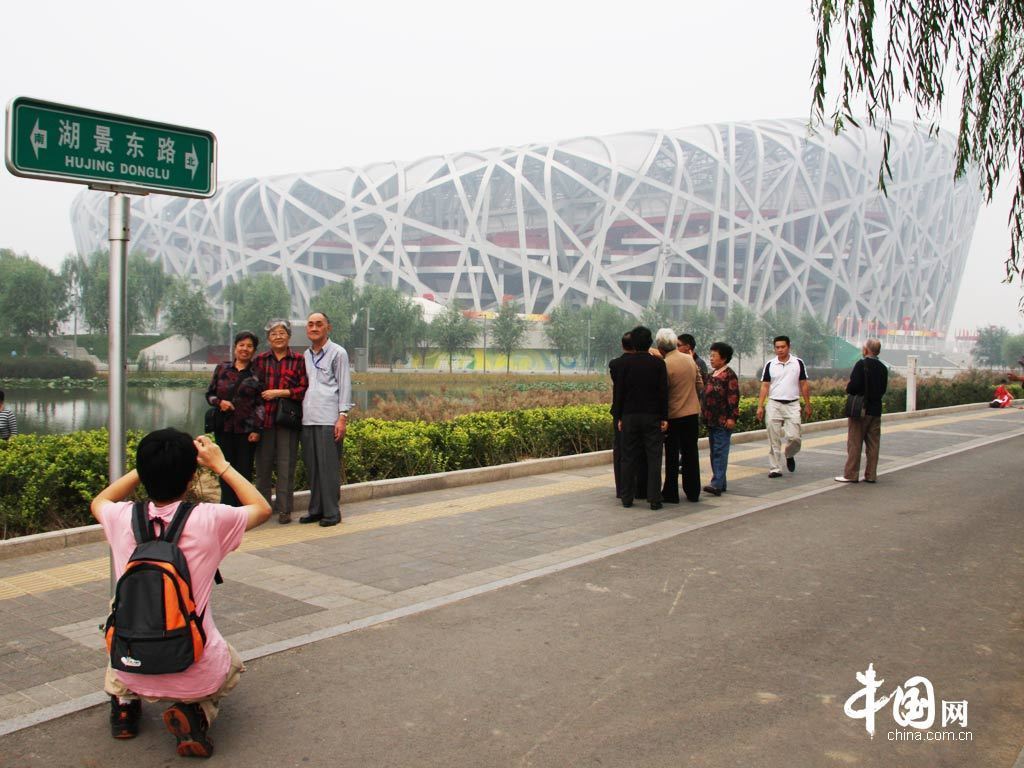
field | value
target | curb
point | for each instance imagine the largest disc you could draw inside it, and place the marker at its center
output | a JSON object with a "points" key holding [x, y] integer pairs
{"points": [[399, 486]]}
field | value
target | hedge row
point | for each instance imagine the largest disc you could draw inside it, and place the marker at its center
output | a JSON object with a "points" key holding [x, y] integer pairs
{"points": [[51, 367], [46, 481]]}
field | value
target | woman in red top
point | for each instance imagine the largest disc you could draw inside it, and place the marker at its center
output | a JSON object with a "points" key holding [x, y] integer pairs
{"points": [[721, 411], [283, 375]]}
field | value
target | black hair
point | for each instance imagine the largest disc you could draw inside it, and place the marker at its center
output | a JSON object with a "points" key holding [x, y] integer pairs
{"points": [[781, 338], [723, 349], [2, 393], [242, 335], [688, 340], [642, 338], [166, 460], [318, 312], [627, 343]]}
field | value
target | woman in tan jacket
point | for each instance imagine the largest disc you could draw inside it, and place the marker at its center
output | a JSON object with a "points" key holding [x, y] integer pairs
{"points": [[684, 383]]}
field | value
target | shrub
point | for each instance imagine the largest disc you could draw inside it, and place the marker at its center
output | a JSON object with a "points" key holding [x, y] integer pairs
{"points": [[45, 368], [47, 481]]}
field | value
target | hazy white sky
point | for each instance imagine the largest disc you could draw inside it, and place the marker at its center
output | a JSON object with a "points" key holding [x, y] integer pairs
{"points": [[313, 85]]}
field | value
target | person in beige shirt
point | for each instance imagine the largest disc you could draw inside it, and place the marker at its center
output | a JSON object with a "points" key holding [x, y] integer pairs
{"points": [[684, 382]]}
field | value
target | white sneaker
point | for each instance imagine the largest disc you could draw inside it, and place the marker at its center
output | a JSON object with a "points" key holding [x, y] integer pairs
{"points": [[842, 479]]}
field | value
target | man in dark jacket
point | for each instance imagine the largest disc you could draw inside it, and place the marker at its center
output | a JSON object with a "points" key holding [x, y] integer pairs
{"points": [[869, 378], [640, 410]]}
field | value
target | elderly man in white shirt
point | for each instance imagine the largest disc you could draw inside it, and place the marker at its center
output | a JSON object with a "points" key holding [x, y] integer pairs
{"points": [[783, 383], [324, 416]]}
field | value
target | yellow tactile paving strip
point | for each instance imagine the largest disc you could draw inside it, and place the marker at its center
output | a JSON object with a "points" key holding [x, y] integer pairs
{"points": [[49, 579], [61, 577]]}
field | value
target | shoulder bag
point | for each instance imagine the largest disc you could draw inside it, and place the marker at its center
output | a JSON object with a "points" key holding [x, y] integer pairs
{"points": [[213, 421], [289, 413], [855, 405]]}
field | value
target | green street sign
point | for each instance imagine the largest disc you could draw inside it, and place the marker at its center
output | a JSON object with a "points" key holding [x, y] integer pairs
{"points": [[108, 152]]}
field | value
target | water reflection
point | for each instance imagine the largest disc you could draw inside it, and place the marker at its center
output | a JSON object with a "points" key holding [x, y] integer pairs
{"points": [[50, 411], [41, 410]]}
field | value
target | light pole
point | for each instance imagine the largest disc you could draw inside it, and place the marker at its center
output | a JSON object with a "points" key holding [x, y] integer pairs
{"points": [[589, 339], [485, 343], [368, 329]]}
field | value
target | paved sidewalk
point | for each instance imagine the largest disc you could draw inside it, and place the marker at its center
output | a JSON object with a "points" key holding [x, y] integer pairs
{"points": [[292, 585]]}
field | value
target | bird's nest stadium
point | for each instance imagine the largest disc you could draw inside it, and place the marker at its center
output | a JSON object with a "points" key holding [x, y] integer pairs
{"points": [[764, 214]]}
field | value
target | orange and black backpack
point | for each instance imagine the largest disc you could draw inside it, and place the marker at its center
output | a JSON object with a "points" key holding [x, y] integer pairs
{"points": [[153, 627]]}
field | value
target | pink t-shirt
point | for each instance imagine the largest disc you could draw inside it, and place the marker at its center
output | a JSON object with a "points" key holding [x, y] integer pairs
{"points": [[212, 531]]}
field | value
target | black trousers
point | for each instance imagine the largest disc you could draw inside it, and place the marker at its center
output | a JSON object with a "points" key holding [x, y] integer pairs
{"points": [[638, 483], [681, 449], [642, 440], [240, 454]]}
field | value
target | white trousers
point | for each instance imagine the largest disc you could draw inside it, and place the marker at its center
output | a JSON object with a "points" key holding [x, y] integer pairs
{"points": [[782, 421]]}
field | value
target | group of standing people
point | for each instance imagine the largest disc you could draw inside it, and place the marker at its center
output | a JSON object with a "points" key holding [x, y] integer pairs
{"points": [[266, 403], [659, 394], [661, 389]]}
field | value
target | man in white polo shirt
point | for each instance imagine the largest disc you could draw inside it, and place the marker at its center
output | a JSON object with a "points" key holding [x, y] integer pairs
{"points": [[783, 383]]}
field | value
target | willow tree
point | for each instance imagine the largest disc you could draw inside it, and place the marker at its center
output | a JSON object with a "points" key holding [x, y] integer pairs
{"points": [[892, 50]]}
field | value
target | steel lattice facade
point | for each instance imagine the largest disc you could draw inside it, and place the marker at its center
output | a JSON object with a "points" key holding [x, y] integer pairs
{"points": [[764, 214]]}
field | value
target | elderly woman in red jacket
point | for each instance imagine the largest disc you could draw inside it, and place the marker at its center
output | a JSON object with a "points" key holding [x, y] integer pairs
{"points": [[721, 411]]}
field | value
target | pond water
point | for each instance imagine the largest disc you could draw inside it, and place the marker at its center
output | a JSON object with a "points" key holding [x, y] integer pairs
{"points": [[45, 411]]}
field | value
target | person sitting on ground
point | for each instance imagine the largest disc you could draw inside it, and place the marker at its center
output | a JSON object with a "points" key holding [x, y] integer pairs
{"points": [[166, 462], [1002, 398]]}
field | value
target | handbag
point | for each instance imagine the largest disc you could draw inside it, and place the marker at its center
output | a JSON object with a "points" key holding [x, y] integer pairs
{"points": [[855, 404], [289, 413], [213, 420]]}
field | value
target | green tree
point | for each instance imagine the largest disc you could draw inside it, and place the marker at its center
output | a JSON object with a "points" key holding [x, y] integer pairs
{"points": [[421, 338], [742, 331], [605, 325], [189, 313], [702, 324], [508, 330], [563, 333], [657, 316], [452, 332], [145, 286], [988, 350], [255, 299], [340, 302], [33, 300], [814, 344], [1013, 349], [896, 50], [393, 317]]}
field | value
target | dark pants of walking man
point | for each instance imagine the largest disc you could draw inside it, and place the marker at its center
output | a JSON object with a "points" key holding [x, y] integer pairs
{"points": [[681, 450], [867, 432], [322, 456], [641, 438]]}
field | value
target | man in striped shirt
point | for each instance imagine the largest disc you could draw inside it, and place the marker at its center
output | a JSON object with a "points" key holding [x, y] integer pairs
{"points": [[8, 423]]}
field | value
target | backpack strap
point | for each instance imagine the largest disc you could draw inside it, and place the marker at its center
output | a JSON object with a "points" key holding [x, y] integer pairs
{"points": [[142, 526], [177, 524]]}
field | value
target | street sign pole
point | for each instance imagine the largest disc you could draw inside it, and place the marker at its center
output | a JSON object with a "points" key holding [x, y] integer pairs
{"points": [[120, 234], [118, 154]]}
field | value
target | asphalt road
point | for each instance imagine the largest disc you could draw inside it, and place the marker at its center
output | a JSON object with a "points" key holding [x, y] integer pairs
{"points": [[733, 645]]}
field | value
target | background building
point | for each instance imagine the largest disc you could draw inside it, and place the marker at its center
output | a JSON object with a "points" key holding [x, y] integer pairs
{"points": [[764, 214]]}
